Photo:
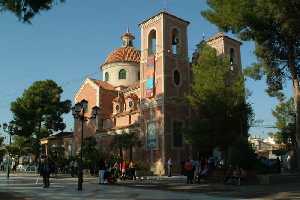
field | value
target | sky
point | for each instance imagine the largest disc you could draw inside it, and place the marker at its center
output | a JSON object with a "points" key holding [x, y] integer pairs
{"points": [[69, 42]]}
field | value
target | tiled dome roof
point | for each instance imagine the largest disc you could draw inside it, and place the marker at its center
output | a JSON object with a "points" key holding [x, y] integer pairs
{"points": [[124, 54]]}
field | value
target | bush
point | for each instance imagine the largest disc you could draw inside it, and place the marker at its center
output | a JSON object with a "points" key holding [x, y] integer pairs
{"points": [[142, 166]]}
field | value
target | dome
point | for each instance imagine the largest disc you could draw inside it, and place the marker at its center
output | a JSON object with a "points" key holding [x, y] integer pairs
{"points": [[124, 54]]}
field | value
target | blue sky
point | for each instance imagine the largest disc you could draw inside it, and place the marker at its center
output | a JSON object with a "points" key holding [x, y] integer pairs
{"points": [[69, 42]]}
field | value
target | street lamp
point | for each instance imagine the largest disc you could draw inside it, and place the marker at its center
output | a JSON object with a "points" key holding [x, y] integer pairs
{"points": [[10, 129], [78, 112]]}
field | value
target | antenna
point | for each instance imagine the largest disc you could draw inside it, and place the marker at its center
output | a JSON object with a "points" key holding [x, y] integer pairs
{"points": [[165, 5]]}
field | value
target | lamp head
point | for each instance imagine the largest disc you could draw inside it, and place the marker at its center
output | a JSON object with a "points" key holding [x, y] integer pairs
{"points": [[84, 104], [95, 111], [73, 111], [77, 108]]}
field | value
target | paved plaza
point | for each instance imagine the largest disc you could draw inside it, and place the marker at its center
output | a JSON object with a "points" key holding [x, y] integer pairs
{"points": [[25, 188]]}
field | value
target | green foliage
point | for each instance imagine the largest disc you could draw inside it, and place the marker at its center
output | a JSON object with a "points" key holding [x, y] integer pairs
{"points": [[218, 102], [39, 111], [285, 115], [211, 81], [57, 155], [92, 153], [274, 26], [142, 166], [255, 72], [19, 146], [125, 141], [2, 148], [25, 10]]}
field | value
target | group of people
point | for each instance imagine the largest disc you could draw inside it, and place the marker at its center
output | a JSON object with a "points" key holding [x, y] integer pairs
{"points": [[109, 173], [234, 175], [194, 170]]}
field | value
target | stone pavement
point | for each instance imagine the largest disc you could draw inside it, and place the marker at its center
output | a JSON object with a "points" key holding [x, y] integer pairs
{"points": [[24, 188]]}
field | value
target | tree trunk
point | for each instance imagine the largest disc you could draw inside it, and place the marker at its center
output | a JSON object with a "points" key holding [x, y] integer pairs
{"points": [[293, 70], [297, 106]]}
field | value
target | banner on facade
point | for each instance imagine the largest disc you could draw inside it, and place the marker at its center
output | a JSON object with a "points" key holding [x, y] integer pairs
{"points": [[149, 87], [151, 135]]}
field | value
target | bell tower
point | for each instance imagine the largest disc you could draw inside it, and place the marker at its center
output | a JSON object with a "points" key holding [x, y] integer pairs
{"points": [[165, 79], [227, 46]]}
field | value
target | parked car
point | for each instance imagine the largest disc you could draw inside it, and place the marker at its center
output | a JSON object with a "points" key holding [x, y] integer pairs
{"points": [[21, 168], [31, 168]]}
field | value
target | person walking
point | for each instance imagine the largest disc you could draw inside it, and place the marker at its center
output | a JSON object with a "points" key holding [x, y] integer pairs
{"points": [[101, 171], [197, 169], [44, 169], [169, 167], [288, 162], [188, 167], [116, 171], [123, 170], [132, 170]]}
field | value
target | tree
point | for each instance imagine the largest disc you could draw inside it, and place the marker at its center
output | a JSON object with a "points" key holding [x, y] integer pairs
{"points": [[39, 111], [2, 148], [285, 115], [218, 102], [92, 152], [25, 10], [126, 141], [242, 154], [274, 27], [19, 147]]}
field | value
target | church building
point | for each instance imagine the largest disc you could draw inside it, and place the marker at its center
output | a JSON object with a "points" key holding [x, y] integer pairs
{"points": [[141, 90]]}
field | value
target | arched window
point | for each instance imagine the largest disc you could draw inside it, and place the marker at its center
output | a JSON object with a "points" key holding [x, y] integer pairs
{"points": [[231, 56], [106, 76], [152, 42], [122, 74], [175, 41], [176, 77], [138, 76], [117, 108]]}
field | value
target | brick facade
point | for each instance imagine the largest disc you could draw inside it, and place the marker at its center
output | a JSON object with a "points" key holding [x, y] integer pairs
{"points": [[153, 106]]}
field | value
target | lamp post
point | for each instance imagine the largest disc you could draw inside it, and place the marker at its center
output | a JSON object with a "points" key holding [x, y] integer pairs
{"points": [[10, 130], [78, 111]]}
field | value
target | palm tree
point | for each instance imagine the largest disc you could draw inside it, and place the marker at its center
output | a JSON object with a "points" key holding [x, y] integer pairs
{"points": [[126, 141]]}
